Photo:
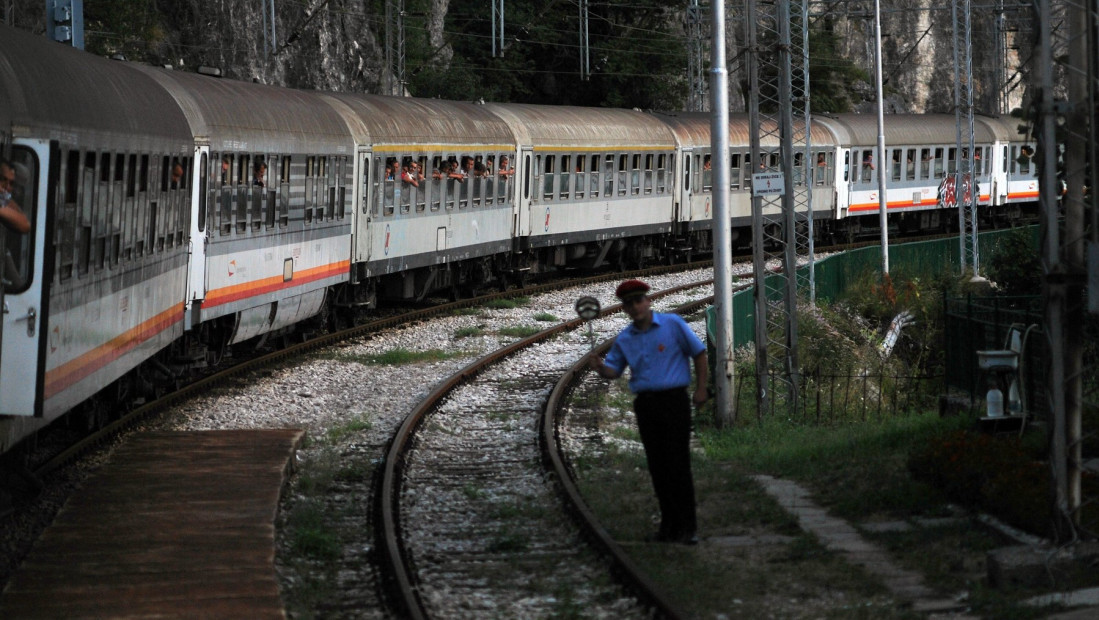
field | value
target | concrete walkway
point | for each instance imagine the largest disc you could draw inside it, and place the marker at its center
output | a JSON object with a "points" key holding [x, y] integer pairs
{"points": [[839, 536]]}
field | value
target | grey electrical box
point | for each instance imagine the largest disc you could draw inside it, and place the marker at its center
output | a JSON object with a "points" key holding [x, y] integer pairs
{"points": [[65, 22]]}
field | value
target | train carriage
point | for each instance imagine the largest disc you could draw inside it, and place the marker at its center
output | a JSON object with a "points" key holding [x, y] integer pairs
{"points": [[435, 194], [591, 178], [271, 225], [97, 285], [694, 178]]}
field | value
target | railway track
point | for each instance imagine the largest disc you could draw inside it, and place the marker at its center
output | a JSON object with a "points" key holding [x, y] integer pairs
{"points": [[470, 525]]}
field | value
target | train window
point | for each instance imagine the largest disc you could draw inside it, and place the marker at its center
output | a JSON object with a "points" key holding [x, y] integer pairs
{"points": [[895, 161], [661, 169], [243, 182], [580, 188], [734, 171], [19, 249], [526, 176], [910, 164], [635, 175], [687, 173], [490, 179], [951, 160], [421, 180], [386, 196], [981, 159], [404, 187], [548, 169], [707, 173], [436, 185], [258, 184], [647, 176], [203, 172], [623, 167], [593, 172], [66, 229], [566, 179], [867, 158], [799, 168], [608, 175], [284, 193], [1003, 156], [937, 166], [925, 164], [84, 238], [225, 219], [117, 189], [310, 189]]}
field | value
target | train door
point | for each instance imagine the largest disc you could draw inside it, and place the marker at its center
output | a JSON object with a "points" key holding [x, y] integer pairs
{"points": [[196, 268], [524, 183], [683, 183], [360, 244], [22, 356], [844, 182]]}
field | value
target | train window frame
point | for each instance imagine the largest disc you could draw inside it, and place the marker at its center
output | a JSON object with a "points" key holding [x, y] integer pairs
{"points": [[799, 168], [203, 169], [424, 188], [895, 164], [22, 254], [564, 177], [437, 185], [735, 171], [647, 174], [593, 178], [938, 163], [580, 186], [635, 174]]}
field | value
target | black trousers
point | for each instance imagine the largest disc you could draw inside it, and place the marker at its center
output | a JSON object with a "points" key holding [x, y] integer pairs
{"points": [[664, 421]]}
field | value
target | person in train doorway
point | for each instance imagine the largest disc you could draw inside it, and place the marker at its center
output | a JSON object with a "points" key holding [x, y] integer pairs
{"points": [[13, 219], [259, 174], [659, 348]]}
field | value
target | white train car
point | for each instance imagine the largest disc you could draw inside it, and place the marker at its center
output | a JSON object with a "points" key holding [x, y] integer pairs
{"points": [[590, 179], [271, 216], [434, 196], [96, 288]]}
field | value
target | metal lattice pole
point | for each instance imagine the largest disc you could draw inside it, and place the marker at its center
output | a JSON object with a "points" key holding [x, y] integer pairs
{"points": [[803, 136], [772, 140], [696, 96], [585, 64]]}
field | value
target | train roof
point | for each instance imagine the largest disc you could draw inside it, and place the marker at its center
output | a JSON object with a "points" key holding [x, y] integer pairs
{"points": [[862, 129], [242, 116], [400, 122], [70, 95], [591, 129], [692, 129]]}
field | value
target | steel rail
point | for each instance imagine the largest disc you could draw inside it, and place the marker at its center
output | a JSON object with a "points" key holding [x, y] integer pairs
{"points": [[398, 563], [627, 571]]}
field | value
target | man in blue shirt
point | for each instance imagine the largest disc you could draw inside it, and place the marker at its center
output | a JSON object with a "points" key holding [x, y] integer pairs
{"points": [[658, 349]]}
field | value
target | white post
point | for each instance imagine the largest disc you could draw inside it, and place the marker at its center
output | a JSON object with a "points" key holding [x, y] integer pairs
{"points": [[724, 404]]}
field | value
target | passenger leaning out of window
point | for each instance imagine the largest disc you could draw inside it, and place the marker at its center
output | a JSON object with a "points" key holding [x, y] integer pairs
{"points": [[505, 166], [259, 174]]}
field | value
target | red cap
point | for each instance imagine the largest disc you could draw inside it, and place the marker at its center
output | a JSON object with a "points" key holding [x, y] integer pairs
{"points": [[630, 289]]}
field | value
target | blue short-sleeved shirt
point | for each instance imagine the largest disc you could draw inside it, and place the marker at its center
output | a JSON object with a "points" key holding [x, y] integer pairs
{"points": [[659, 358]]}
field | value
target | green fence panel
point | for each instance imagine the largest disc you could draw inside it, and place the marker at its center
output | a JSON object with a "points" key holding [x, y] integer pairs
{"points": [[835, 274]]}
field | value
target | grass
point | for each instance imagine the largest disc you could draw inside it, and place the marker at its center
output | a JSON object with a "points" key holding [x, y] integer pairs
{"points": [[519, 331], [507, 304], [546, 317], [471, 331]]}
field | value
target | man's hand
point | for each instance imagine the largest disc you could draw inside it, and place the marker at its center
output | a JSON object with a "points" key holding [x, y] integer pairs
{"points": [[701, 395]]}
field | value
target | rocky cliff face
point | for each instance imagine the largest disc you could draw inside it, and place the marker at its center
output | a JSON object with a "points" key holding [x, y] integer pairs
{"points": [[340, 44]]}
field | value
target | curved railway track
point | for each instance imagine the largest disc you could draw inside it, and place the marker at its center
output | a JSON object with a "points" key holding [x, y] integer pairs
{"points": [[467, 519]]}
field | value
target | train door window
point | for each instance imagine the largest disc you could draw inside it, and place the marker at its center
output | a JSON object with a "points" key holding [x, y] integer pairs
{"points": [[846, 166], [687, 172], [623, 163], [18, 249], [526, 177], [981, 163], [820, 168], [867, 158], [1003, 156], [696, 169], [203, 175], [565, 177], [378, 179]]}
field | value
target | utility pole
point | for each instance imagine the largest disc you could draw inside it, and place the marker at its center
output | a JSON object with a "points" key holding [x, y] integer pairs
{"points": [[696, 83], [966, 191], [779, 174], [497, 28], [394, 47], [585, 63], [724, 401]]}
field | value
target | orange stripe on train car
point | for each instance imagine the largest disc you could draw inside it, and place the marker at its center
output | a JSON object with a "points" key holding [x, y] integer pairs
{"points": [[67, 374], [237, 292], [901, 204]]}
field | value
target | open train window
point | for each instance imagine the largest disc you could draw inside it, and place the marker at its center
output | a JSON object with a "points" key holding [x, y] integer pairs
{"points": [[566, 179], [635, 174], [594, 171], [647, 178], [18, 249], [436, 184]]}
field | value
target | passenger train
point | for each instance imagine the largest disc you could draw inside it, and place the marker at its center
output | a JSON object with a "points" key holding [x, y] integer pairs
{"points": [[175, 215]]}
